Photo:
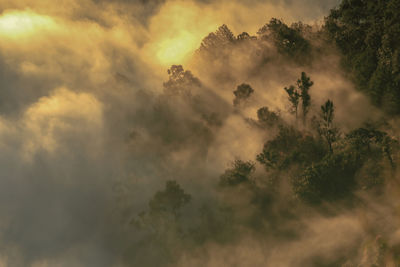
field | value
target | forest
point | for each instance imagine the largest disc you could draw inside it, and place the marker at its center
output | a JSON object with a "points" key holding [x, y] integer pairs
{"points": [[310, 167], [200, 133]]}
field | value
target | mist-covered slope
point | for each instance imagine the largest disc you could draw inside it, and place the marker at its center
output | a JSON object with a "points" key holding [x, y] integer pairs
{"points": [[321, 188], [273, 147]]}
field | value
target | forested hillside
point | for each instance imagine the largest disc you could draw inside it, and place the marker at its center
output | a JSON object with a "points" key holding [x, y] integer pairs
{"points": [[322, 190], [160, 134], [367, 33]]}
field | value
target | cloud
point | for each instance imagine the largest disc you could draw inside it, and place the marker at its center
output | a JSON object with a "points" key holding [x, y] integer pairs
{"points": [[62, 114]]}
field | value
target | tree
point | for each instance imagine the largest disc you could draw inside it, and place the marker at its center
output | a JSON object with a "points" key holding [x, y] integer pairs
{"points": [[242, 93], [330, 179], [171, 200], [163, 209], [325, 127], [367, 34], [304, 84], [372, 143], [289, 41], [245, 36], [221, 37], [238, 174], [180, 81], [162, 226], [290, 147], [294, 98], [267, 118]]}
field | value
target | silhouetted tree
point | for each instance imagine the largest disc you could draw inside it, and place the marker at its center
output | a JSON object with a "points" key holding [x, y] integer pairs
{"points": [[325, 127], [288, 41], [370, 142], [221, 37], [304, 84], [267, 118], [294, 98], [242, 93], [162, 225], [171, 200], [290, 147], [245, 36], [180, 81], [238, 174]]}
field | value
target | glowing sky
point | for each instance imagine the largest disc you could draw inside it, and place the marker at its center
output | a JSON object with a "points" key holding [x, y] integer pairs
{"points": [[16, 24], [168, 33]]}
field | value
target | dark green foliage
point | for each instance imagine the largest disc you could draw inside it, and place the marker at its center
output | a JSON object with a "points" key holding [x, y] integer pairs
{"points": [[330, 179], [325, 126], [289, 41], [294, 98], [363, 138], [242, 93], [290, 147], [327, 112], [275, 152], [390, 147], [304, 84], [328, 175], [372, 143], [238, 174], [267, 118], [367, 33]]}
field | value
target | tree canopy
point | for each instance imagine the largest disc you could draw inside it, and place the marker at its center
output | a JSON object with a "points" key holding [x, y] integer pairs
{"points": [[367, 34]]}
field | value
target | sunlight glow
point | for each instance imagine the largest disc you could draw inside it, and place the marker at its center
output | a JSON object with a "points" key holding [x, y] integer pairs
{"points": [[175, 50], [17, 24], [176, 31]]}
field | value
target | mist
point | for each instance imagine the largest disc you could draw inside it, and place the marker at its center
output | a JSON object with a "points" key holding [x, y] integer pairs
{"points": [[94, 122]]}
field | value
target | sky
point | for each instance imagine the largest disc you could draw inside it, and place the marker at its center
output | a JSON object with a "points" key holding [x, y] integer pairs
{"points": [[81, 142], [162, 31]]}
